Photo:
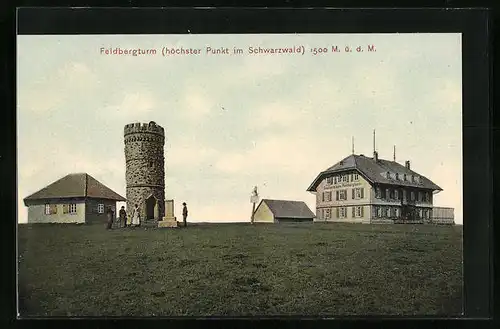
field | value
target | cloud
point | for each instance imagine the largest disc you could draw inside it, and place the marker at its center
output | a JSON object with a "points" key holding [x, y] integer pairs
{"points": [[447, 94], [52, 91], [134, 105], [375, 83], [187, 154], [277, 114], [288, 154], [449, 177], [196, 103]]}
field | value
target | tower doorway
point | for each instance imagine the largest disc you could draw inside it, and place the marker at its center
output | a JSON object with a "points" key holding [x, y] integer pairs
{"points": [[150, 207]]}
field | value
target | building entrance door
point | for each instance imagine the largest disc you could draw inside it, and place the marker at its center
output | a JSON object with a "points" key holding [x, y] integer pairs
{"points": [[150, 207]]}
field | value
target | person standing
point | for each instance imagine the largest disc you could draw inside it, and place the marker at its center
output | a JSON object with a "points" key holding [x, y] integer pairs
{"points": [[184, 213], [136, 216], [110, 218], [123, 216]]}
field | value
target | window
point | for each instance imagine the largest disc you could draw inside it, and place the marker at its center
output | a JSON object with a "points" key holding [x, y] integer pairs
{"points": [[396, 212], [404, 177], [419, 197], [420, 213], [327, 196], [342, 212], [342, 195], [378, 193], [387, 193], [388, 174], [379, 211], [100, 208], [328, 213], [50, 209], [412, 196], [357, 193], [388, 212], [412, 179], [358, 212], [356, 177], [72, 208], [329, 180], [396, 194], [391, 194], [397, 176], [344, 178]]}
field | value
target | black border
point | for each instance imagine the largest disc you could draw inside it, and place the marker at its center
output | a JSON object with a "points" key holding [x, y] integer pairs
{"points": [[475, 25]]}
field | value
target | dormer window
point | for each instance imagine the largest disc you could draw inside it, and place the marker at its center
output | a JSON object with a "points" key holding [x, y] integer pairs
{"points": [[412, 179], [388, 175], [397, 176], [404, 177]]}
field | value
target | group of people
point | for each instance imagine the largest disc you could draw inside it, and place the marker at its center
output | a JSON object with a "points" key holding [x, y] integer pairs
{"points": [[135, 219]]}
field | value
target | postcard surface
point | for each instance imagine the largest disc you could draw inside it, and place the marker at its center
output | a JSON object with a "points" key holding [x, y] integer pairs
{"points": [[240, 175]]}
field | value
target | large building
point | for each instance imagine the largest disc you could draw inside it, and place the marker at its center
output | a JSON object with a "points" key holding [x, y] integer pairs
{"points": [[145, 169], [372, 190], [282, 211], [75, 198]]}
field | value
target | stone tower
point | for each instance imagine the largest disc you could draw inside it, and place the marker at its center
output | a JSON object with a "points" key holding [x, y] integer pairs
{"points": [[145, 169]]}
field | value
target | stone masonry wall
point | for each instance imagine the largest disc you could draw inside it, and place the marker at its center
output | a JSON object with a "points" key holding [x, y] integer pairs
{"points": [[145, 165]]}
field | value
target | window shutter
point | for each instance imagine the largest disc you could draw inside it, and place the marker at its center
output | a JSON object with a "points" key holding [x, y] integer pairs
{"points": [[362, 192], [338, 213], [65, 208], [353, 193], [362, 211], [353, 212], [330, 196]]}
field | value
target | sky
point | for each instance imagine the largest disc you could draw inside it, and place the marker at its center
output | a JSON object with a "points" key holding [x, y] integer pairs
{"points": [[235, 121]]}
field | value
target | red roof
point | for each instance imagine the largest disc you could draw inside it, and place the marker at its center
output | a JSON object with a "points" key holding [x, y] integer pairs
{"points": [[80, 185]]}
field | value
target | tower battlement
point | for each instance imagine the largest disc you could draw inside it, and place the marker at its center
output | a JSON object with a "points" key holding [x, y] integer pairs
{"points": [[137, 128]]}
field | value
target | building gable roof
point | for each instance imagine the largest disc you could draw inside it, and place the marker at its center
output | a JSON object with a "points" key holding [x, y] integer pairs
{"points": [[80, 185], [375, 172], [288, 209]]}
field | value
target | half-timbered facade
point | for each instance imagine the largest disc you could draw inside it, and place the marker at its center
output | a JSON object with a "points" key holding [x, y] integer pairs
{"points": [[368, 190]]}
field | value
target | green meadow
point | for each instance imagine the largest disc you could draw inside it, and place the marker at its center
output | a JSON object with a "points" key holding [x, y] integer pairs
{"points": [[240, 270]]}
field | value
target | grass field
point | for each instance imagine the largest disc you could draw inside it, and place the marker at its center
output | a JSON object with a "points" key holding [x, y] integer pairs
{"points": [[240, 270]]}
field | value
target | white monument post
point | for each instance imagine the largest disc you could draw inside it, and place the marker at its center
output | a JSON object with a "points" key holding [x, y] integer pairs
{"points": [[254, 198], [169, 220]]}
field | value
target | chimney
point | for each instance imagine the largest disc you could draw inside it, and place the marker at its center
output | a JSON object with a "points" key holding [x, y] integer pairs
{"points": [[407, 164], [375, 155]]}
